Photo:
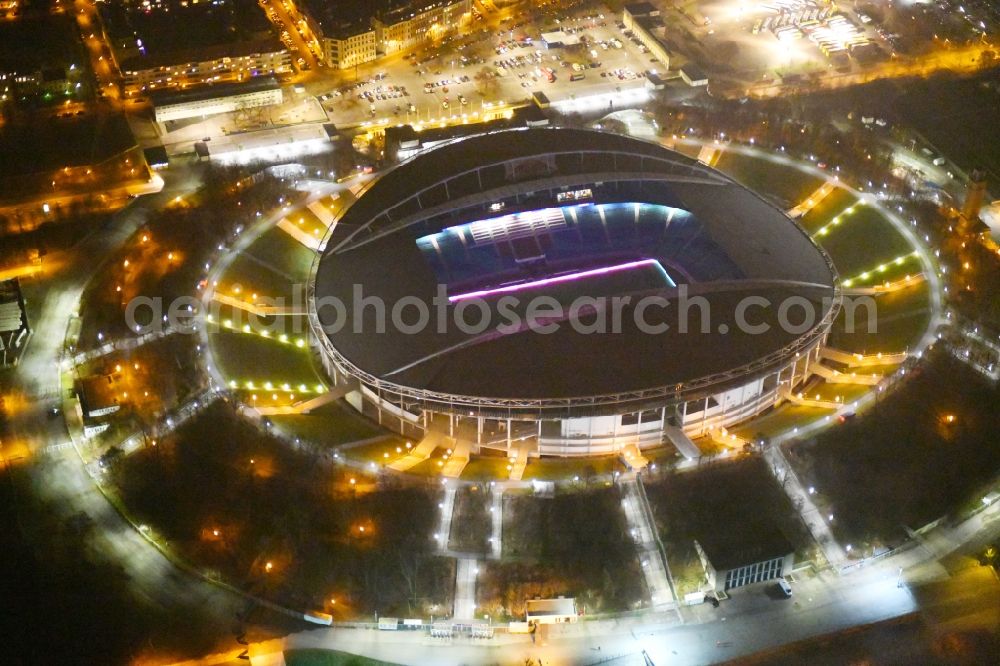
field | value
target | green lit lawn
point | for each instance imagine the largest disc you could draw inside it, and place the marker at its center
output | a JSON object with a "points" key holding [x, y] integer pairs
{"points": [[244, 357], [831, 206], [284, 253], [846, 392], [333, 424], [486, 467], [863, 240], [902, 318], [785, 183], [293, 327], [554, 469], [255, 277], [779, 420], [305, 220], [891, 271]]}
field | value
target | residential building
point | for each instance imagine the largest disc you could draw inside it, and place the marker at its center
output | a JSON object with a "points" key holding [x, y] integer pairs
{"points": [[411, 23], [177, 45], [352, 37]]}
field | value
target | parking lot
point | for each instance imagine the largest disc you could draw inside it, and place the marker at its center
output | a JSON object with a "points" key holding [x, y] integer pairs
{"points": [[465, 76]]}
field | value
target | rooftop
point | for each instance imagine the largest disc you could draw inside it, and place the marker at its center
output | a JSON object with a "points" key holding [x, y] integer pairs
{"points": [[162, 98], [705, 230], [726, 550], [203, 31]]}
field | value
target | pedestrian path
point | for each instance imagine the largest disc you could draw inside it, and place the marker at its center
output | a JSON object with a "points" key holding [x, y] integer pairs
{"points": [[421, 452], [642, 529], [837, 377], [496, 522], [458, 459], [709, 154], [822, 192], [815, 521], [466, 570], [306, 406], [447, 507]]}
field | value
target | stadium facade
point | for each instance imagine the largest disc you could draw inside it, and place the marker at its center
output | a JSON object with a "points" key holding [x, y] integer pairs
{"points": [[576, 217]]}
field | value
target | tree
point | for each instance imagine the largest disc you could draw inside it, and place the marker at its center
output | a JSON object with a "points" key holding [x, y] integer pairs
{"points": [[486, 84]]}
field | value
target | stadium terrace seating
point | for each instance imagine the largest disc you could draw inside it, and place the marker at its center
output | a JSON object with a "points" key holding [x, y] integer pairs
{"points": [[503, 249]]}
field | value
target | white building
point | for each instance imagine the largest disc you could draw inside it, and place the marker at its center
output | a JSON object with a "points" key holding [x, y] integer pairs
{"points": [[212, 100]]}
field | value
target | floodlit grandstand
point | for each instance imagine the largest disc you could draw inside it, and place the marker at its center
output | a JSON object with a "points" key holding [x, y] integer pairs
{"points": [[491, 223]]}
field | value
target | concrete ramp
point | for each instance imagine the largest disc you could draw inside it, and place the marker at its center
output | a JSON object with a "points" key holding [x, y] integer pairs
{"points": [[634, 460], [520, 460], [822, 192], [861, 360], [709, 155], [458, 459], [306, 406], [298, 234], [466, 570], [421, 451], [682, 442], [837, 377], [259, 310], [322, 213], [797, 399]]}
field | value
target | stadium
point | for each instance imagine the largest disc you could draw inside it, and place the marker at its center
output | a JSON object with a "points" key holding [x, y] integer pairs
{"points": [[570, 217]]}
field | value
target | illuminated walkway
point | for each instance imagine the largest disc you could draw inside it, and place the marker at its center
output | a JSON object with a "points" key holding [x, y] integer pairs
{"points": [[855, 360], [811, 516], [466, 571], [813, 200], [420, 452], [496, 521], [643, 531]]}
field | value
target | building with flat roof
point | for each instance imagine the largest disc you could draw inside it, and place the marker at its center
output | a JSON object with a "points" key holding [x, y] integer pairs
{"points": [[566, 214], [643, 19], [730, 564], [14, 328], [693, 75], [180, 44], [550, 611], [215, 99]]}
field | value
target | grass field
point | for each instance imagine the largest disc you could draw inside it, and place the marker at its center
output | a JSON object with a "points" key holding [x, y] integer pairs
{"points": [[232, 498], [576, 544], [244, 357], [833, 205], [554, 469], [284, 253], [332, 425], [258, 277], [779, 420], [902, 463], [846, 392], [863, 240], [690, 507], [901, 319], [786, 184], [890, 271]]}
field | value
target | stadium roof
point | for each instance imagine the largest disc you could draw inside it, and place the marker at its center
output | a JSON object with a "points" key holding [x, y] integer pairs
{"points": [[753, 248]]}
